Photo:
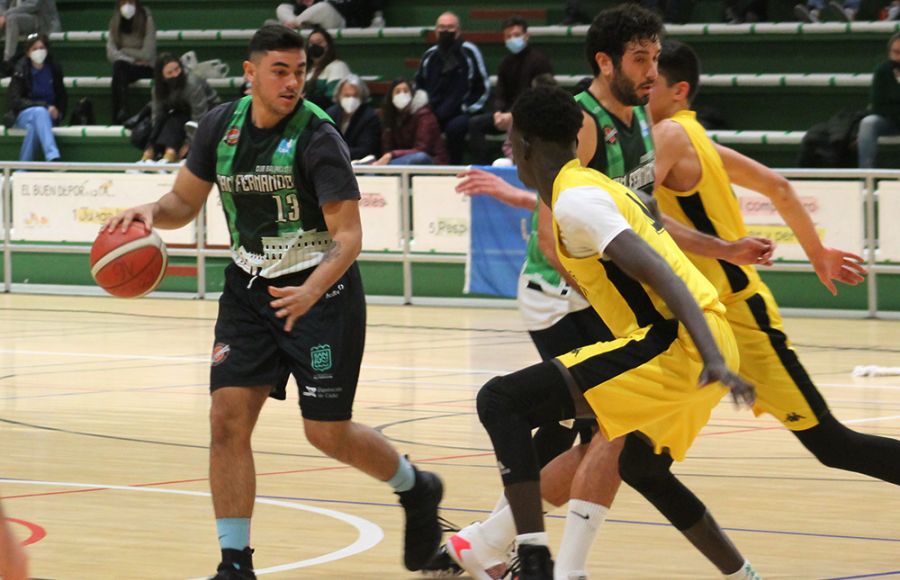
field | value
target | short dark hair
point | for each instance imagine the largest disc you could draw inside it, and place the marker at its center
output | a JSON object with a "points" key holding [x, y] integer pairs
{"points": [[515, 20], [894, 38], [36, 37], [679, 63], [275, 37], [615, 27], [548, 113]]}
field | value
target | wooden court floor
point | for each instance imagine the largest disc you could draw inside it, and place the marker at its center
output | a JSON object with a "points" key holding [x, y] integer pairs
{"points": [[103, 451]]}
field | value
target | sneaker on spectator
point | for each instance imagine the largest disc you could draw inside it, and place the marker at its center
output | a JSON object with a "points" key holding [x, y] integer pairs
{"points": [[468, 548], [839, 13], [804, 14]]}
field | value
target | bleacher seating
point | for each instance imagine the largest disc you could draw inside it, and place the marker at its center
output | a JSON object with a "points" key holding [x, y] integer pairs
{"points": [[768, 79]]}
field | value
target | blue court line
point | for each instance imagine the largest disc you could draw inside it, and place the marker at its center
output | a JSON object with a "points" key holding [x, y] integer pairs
{"points": [[631, 522], [876, 575]]}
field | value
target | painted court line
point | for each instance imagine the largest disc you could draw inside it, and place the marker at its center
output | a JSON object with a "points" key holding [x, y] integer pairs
{"points": [[369, 535]]}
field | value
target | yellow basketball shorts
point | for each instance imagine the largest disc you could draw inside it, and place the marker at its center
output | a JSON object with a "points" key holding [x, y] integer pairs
{"points": [[649, 382], [783, 388]]}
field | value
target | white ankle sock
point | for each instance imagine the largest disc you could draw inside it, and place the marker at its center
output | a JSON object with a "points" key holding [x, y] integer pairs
{"points": [[583, 519], [746, 572], [533, 539]]}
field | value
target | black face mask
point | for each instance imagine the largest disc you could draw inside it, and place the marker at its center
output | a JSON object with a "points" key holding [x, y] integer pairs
{"points": [[315, 51], [445, 39], [895, 64]]}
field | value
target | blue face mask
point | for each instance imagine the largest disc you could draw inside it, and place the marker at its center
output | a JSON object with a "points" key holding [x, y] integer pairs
{"points": [[515, 44]]}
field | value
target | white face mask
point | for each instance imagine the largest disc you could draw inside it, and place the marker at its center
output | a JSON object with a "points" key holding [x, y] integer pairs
{"points": [[127, 10], [350, 104], [38, 56], [401, 100]]}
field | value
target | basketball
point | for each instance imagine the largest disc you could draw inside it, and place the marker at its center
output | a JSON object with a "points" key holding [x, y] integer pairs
{"points": [[129, 264]]}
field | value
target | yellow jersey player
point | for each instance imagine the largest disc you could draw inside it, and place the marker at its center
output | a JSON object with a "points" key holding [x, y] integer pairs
{"points": [[655, 384], [694, 177]]}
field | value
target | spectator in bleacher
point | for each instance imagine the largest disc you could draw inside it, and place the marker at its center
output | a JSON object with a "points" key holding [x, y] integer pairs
{"points": [[740, 11], [331, 13], [356, 119], [324, 69], [516, 73], [815, 10], [21, 17], [131, 48], [884, 117], [453, 74], [411, 134], [178, 97], [37, 98]]}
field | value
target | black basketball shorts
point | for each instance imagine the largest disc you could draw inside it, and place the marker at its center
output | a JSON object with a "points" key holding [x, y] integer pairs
{"points": [[323, 351]]}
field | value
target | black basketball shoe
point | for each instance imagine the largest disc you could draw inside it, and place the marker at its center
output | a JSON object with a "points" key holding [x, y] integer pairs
{"points": [[423, 529]]}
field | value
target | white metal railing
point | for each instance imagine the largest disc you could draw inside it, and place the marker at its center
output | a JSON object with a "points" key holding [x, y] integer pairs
{"points": [[406, 257]]}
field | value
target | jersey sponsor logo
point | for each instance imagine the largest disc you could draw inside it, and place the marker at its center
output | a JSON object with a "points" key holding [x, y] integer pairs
{"points": [[610, 134], [220, 353], [320, 357], [254, 183], [232, 136], [285, 146]]}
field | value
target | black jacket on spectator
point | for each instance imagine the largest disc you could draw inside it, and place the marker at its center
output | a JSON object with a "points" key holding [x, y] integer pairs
{"points": [[515, 75], [456, 82], [363, 135], [18, 95], [357, 13]]}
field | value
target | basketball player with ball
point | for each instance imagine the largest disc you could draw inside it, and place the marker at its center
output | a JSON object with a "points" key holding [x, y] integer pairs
{"points": [[293, 301]]}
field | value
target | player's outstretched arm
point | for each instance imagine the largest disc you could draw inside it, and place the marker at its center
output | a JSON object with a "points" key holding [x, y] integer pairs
{"points": [[637, 259], [480, 182], [173, 210], [746, 251], [342, 219], [830, 263]]}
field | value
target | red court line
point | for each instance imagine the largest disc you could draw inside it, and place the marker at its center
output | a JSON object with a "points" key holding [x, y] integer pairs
{"points": [[37, 532], [199, 479]]}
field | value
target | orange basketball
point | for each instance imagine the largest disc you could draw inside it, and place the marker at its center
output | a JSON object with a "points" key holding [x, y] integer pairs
{"points": [[128, 264]]}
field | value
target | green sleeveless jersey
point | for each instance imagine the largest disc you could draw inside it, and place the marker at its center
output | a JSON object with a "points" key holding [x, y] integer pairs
{"points": [[272, 211], [624, 154]]}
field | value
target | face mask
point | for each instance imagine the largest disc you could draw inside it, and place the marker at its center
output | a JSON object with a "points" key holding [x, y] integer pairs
{"points": [[173, 82], [315, 51], [38, 56], [127, 10], [515, 44], [895, 64], [350, 104], [446, 38], [401, 100]]}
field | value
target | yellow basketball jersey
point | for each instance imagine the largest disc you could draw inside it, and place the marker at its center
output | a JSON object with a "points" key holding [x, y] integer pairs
{"points": [[625, 304], [712, 208]]}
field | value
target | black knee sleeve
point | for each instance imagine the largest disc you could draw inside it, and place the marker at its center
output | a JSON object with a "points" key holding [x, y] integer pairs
{"points": [[509, 407], [649, 474], [838, 446]]}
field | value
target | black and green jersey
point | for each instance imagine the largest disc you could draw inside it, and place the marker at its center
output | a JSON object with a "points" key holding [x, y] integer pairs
{"points": [[273, 183], [623, 153]]}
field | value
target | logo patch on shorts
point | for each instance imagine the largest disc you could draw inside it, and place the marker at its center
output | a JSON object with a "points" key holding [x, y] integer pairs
{"points": [[220, 353], [320, 357]]}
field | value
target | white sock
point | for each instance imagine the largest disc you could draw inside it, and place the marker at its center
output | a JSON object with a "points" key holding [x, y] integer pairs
{"points": [[583, 519], [533, 539], [746, 572]]}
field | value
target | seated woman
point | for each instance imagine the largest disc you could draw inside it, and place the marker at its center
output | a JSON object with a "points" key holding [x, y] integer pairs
{"points": [[411, 134], [37, 98], [356, 119], [178, 97], [324, 69]]}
